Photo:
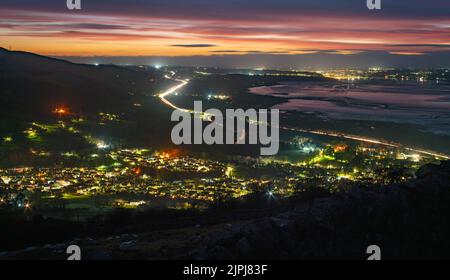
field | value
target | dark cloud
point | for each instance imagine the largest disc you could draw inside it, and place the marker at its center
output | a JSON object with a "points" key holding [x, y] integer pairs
{"points": [[194, 45], [268, 52], [439, 46], [226, 51], [97, 26]]}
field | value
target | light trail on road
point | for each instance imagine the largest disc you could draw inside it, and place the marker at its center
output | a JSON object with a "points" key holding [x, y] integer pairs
{"points": [[172, 90]]}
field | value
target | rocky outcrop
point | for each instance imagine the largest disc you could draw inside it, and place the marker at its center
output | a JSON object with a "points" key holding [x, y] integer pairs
{"points": [[406, 221]]}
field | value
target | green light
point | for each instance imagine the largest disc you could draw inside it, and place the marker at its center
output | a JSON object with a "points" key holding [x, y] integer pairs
{"points": [[72, 129], [102, 168], [79, 120], [32, 134]]}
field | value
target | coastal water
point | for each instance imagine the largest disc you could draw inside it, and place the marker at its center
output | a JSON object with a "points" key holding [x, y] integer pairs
{"points": [[426, 105]]}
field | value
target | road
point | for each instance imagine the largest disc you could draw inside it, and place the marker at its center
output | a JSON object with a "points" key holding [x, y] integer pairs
{"points": [[173, 90], [183, 83]]}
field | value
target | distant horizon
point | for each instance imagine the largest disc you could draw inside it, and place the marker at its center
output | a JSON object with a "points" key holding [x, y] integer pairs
{"points": [[261, 61], [311, 62]]}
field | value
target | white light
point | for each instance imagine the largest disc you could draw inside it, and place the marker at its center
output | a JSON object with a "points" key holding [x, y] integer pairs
{"points": [[102, 145]]}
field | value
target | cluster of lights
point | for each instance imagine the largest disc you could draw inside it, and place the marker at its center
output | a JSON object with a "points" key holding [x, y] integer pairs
{"points": [[31, 133], [229, 171], [220, 97], [60, 111], [102, 145]]}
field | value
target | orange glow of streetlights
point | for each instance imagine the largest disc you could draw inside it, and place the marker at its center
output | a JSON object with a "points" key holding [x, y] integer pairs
{"points": [[60, 111], [137, 171]]}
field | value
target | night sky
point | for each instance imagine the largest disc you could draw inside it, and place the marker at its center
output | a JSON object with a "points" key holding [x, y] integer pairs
{"points": [[235, 33]]}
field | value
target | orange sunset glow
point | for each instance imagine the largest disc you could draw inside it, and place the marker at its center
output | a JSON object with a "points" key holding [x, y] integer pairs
{"points": [[190, 28]]}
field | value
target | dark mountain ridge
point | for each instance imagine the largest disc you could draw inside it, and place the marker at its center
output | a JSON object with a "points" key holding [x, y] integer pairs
{"points": [[35, 84]]}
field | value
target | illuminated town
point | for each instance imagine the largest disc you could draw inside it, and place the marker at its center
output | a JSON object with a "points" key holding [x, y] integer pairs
{"points": [[108, 177]]}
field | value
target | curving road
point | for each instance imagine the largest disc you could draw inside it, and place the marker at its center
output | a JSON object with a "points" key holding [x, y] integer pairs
{"points": [[172, 90]]}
